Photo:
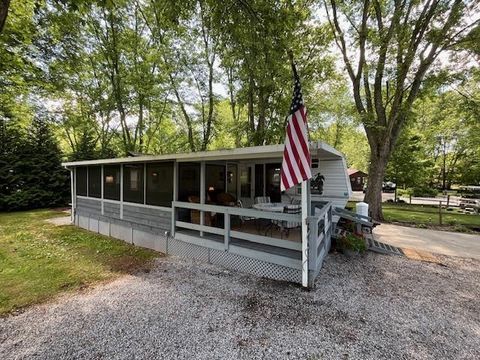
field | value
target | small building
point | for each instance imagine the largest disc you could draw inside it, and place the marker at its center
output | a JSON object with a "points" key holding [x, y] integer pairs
{"points": [[358, 179], [223, 207]]}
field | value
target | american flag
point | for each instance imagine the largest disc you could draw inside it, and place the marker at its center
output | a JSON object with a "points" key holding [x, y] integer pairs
{"points": [[296, 155]]}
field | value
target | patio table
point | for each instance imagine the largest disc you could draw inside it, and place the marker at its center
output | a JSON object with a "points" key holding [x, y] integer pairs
{"points": [[272, 207]]}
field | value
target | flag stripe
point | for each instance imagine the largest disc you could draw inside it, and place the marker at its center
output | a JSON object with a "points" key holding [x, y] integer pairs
{"points": [[296, 155]]}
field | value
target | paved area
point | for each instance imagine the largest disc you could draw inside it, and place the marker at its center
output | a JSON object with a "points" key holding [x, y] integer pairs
{"points": [[369, 307], [440, 242]]}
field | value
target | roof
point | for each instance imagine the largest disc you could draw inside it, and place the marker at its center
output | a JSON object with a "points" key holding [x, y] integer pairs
{"points": [[318, 149], [352, 171]]}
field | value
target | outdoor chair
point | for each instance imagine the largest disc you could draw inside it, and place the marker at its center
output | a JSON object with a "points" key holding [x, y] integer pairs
{"points": [[286, 226], [262, 200], [225, 199], [243, 219]]}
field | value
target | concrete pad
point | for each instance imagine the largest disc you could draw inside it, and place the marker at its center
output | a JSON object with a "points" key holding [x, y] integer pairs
{"points": [[440, 242]]}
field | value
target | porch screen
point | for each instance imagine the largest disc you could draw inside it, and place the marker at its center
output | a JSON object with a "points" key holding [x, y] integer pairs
{"points": [[111, 182], [160, 184], [81, 181], [133, 183], [95, 181], [189, 181]]}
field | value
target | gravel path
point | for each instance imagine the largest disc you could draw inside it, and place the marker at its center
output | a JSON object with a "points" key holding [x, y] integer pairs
{"points": [[367, 308]]}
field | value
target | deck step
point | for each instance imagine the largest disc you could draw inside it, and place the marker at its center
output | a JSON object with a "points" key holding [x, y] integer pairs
{"points": [[382, 248]]}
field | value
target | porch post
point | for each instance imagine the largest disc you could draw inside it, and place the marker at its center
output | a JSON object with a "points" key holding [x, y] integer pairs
{"points": [[175, 197], [121, 191], [202, 193], [102, 187], [73, 194], [305, 214]]}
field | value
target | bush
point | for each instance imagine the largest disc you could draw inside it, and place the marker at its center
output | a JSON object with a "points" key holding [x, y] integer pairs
{"points": [[352, 242], [424, 191]]}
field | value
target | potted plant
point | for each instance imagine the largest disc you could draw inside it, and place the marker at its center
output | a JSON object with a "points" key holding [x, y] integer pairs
{"points": [[351, 244]]}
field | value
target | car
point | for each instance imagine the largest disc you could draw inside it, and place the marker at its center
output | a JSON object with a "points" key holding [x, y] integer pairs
{"points": [[469, 203], [388, 186]]}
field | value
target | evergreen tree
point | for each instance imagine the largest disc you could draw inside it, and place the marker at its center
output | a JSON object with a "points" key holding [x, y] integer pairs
{"points": [[31, 173]]}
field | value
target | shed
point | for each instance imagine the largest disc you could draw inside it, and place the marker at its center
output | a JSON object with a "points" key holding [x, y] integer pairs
{"points": [[358, 179]]}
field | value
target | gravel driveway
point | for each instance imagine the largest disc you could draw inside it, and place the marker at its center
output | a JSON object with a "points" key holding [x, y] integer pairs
{"points": [[368, 308]]}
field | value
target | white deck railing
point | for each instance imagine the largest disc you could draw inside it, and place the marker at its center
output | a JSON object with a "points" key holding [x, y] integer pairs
{"points": [[319, 237], [226, 231]]}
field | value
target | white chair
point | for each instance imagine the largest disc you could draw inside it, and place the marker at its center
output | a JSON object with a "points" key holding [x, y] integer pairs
{"points": [[243, 219], [286, 226]]}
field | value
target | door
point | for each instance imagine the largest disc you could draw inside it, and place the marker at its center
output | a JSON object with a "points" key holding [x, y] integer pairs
{"points": [[247, 191]]}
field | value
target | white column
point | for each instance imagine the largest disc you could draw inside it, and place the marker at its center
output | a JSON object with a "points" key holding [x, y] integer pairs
{"points": [[102, 184], [121, 191], [73, 195], [175, 196], [202, 193], [305, 214], [144, 183]]}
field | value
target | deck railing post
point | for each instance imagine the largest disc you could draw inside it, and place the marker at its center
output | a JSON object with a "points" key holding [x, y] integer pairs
{"points": [[226, 238], [202, 193]]}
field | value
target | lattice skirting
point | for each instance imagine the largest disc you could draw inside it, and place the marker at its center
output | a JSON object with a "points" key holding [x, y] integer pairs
{"points": [[141, 236]]}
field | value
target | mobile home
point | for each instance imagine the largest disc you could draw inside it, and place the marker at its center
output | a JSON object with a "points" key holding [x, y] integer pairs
{"points": [[223, 207]]}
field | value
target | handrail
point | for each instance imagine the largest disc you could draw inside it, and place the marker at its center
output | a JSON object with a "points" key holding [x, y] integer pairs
{"points": [[232, 210], [227, 232]]}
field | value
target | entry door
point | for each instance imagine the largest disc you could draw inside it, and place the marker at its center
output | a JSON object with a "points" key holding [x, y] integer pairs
{"points": [[247, 190]]}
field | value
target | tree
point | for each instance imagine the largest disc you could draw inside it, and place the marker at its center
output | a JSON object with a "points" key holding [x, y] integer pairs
{"points": [[30, 168], [397, 42], [4, 4]]}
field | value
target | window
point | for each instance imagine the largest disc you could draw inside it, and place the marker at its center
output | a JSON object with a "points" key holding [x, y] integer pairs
{"points": [[95, 181], [160, 184], [81, 180], [133, 183], [111, 185]]}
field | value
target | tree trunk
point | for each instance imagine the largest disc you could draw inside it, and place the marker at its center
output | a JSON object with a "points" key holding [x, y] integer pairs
{"points": [[373, 194], [3, 13]]}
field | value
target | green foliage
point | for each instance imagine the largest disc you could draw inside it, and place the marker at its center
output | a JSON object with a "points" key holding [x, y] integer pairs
{"points": [[30, 173], [352, 242]]}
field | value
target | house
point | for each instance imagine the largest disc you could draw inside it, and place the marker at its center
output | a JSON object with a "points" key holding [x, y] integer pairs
{"points": [[202, 205], [357, 179]]}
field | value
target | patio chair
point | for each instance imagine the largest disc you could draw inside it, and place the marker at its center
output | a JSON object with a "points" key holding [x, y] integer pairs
{"points": [[225, 199], [243, 219], [262, 200], [286, 226]]}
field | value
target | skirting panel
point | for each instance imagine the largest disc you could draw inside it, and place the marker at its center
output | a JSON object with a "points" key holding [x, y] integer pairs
{"points": [[183, 249], [255, 267], [152, 238]]}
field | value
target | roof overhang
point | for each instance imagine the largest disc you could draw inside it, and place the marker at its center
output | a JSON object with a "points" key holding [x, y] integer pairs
{"points": [[318, 149]]}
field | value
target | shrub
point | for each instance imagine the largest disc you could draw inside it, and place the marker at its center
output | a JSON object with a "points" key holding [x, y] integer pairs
{"points": [[352, 242], [424, 191]]}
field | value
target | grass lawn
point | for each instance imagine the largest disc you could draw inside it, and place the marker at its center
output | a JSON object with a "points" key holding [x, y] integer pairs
{"points": [[427, 215], [39, 260]]}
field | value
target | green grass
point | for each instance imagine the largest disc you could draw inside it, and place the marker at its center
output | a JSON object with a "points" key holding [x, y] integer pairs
{"points": [[427, 215], [39, 260]]}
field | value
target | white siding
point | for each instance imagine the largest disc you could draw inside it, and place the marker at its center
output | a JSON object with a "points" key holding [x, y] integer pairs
{"points": [[336, 187]]}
